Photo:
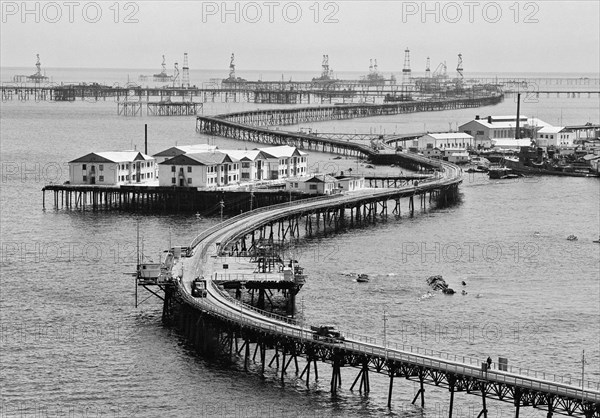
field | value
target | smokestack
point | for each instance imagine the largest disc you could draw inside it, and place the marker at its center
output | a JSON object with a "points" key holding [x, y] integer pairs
{"points": [[476, 117], [146, 138], [517, 133]]}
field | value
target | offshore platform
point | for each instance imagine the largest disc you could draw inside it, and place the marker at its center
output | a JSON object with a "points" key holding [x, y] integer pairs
{"points": [[37, 77]]}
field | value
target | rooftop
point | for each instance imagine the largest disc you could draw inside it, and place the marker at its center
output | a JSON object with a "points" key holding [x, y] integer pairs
{"points": [[185, 149], [201, 158], [112, 157], [450, 135]]}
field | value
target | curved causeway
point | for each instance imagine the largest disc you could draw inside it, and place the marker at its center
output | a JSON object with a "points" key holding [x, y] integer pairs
{"points": [[218, 321]]}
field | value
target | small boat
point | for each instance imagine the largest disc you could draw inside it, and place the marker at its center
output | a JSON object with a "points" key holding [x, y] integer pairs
{"points": [[362, 278], [572, 237]]}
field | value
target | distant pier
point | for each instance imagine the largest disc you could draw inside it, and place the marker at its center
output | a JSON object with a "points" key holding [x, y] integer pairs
{"points": [[299, 92], [161, 108]]}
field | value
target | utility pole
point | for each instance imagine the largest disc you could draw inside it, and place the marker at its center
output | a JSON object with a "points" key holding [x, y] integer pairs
{"points": [[385, 333], [222, 205], [251, 199], [582, 370]]}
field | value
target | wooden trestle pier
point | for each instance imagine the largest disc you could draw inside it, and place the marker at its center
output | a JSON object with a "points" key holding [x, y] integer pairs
{"points": [[296, 116], [162, 199], [220, 325], [251, 126]]}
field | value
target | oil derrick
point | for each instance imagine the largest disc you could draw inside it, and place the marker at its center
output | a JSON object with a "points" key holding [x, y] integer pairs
{"points": [[428, 69], [162, 76], [326, 72], [232, 67], [38, 66], [459, 68], [38, 77], [185, 78], [406, 73], [164, 67], [176, 75]]}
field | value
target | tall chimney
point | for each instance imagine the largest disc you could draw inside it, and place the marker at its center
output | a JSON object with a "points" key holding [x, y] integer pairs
{"points": [[517, 133], [146, 138]]}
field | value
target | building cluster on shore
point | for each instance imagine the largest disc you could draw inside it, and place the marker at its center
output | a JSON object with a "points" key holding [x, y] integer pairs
{"points": [[505, 134]]}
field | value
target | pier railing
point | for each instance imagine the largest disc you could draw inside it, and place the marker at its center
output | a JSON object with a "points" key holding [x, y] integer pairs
{"points": [[524, 377]]}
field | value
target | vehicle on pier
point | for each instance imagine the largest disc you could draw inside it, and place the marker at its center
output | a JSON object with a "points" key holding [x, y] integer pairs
{"points": [[199, 287], [327, 333]]}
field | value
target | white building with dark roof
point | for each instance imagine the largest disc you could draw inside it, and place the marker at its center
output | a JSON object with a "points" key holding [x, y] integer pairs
{"points": [[319, 184], [200, 170], [285, 161], [485, 130], [253, 164], [113, 168]]}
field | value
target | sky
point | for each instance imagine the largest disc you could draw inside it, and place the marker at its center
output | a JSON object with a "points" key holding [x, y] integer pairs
{"points": [[492, 36]]}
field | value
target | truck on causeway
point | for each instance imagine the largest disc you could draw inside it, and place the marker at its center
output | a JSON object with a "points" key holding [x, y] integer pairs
{"points": [[327, 333], [199, 287]]}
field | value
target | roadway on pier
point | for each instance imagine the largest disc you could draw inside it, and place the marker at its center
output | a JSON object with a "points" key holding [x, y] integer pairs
{"points": [[218, 303]]}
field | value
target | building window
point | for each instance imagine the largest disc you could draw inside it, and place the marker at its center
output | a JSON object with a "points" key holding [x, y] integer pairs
{"points": [[245, 175], [101, 167], [127, 177], [189, 169], [83, 167], [173, 168], [173, 180], [84, 178], [313, 187], [101, 178], [189, 180], [245, 165]]}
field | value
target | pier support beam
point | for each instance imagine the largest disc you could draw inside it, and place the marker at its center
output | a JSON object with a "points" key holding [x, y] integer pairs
{"points": [[391, 387], [451, 383], [421, 390], [484, 408]]}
